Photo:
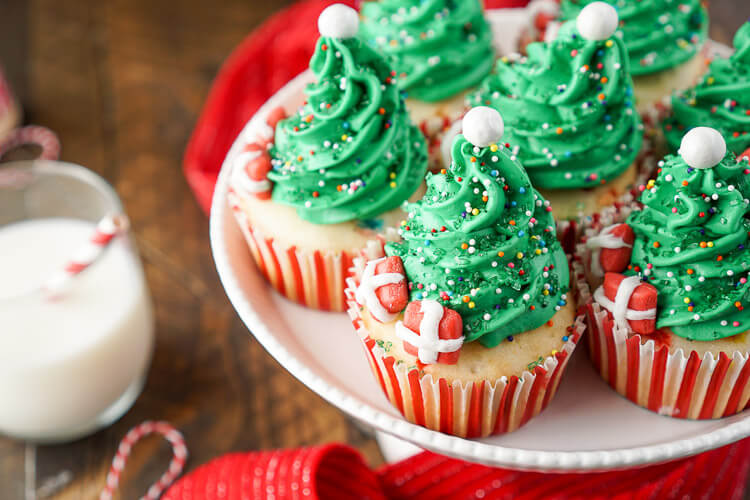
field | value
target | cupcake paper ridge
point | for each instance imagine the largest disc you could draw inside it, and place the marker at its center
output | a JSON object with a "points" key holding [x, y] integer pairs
{"points": [[439, 48], [569, 108], [350, 152]]}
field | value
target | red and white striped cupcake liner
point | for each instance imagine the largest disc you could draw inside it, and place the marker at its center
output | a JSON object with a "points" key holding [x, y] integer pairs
{"points": [[678, 384], [464, 409], [316, 279]]}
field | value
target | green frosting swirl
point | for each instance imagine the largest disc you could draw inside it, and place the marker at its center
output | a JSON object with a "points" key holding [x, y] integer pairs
{"points": [[659, 34], [351, 151], [721, 100], [439, 48], [482, 242], [692, 245], [568, 110]]}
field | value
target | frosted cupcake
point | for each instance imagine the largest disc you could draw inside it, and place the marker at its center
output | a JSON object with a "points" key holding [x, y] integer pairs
{"points": [[325, 187], [720, 100], [664, 39], [439, 49], [470, 309], [669, 324], [570, 114]]}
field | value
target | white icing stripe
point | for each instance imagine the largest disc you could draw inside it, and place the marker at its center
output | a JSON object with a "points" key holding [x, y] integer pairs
{"points": [[619, 308], [365, 293], [428, 342], [605, 239]]}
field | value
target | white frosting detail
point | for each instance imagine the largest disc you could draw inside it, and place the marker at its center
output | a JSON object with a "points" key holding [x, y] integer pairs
{"points": [[703, 147], [365, 293], [241, 181], [619, 307], [483, 126], [428, 342], [338, 21], [605, 239], [597, 21]]}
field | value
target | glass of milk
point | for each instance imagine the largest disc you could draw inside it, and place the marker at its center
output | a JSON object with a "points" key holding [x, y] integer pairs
{"points": [[76, 363]]}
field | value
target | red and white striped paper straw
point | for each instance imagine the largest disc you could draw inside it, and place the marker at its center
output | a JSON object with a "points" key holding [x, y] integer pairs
{"points": [[179, 457], [106, 230]]}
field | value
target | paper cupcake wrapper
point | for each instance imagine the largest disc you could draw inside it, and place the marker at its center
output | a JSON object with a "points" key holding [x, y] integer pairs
{"points": [[464, 409], [316, 279], [678, 384]]}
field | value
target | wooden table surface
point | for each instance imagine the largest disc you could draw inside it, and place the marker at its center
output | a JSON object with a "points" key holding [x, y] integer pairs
{"points": [[122, 83]]}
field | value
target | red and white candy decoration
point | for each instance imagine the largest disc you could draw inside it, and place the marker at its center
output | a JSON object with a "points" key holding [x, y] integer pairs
{"points": [[611, 249], [631, 302], [431, 332], [383, 288], [252, 164]]}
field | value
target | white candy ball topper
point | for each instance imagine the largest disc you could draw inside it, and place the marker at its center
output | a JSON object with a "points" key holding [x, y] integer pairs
{"points": [[597, 21], [483, 126], [703, 147], [338, 21]]}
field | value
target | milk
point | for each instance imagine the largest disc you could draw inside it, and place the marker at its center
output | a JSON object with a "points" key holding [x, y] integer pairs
{"points": [[74, 364]]}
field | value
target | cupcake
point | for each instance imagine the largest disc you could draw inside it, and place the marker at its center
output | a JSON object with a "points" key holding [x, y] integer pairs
{"points": [[721, 100], [569, 109], [663, 38], [669, 322], [439, 50], [323, 185], [466, 322]]}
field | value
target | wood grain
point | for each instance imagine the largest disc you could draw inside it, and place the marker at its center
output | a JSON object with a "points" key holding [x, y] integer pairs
{"points": [[122, 82]]}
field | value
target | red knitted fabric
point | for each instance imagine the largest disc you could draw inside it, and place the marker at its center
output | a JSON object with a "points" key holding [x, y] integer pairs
{"points": [[268, 58], [337, 472]]}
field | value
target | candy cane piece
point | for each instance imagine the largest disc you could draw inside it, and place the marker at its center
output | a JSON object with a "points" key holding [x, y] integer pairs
{"points": [[179, 457]]}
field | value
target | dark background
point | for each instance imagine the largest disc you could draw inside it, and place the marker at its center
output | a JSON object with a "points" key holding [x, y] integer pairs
{"points": [[122, 83]]}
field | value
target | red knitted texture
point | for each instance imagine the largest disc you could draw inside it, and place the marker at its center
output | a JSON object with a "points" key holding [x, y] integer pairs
{"points": [[337, 472]]}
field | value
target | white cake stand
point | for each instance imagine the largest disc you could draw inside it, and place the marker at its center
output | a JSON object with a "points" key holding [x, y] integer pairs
{"points": [[587, 427]]}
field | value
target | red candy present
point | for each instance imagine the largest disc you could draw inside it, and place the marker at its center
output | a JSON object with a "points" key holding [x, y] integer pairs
{"points": [[431, 332], [383, 288], [631, 302], [254, 163], [611, 249], [393, 296], [746, 154]]}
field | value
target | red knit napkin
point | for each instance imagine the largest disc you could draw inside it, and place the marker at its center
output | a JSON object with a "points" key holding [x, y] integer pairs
{"points": [[265, 61], [337, 472]]}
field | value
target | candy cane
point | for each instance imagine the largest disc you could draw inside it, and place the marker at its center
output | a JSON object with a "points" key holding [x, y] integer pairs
{"points": [[106, 230], [179, 457]]}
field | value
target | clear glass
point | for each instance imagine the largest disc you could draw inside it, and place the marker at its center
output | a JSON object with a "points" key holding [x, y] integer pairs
{"points": [[75, 364]]}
